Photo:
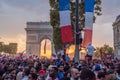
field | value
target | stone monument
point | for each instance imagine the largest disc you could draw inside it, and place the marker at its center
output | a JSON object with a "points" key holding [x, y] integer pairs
{"points": [[35, 33], [116, 34]]}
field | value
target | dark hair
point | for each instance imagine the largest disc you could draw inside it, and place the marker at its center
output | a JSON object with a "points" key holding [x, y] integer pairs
{"points": [[34, 76], [53, 75], [27, 71], [118, 68], [101, 75], [66, 73], [87, 74], [1, 72]]}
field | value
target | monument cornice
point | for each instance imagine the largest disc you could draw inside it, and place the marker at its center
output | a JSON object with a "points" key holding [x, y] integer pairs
{"points": [[38, 29], [38, 23]]}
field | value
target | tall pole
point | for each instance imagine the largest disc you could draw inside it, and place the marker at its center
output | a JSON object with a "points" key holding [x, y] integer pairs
{"points": [[76, 55]]}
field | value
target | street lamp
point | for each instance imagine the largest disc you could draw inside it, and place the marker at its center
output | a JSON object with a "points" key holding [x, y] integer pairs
{"points": [[76, 55]]}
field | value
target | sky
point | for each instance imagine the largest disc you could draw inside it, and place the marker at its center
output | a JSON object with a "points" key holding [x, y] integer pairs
{"points": [[15, 13]]}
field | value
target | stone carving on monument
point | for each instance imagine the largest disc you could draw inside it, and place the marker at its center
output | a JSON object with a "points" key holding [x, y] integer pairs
{"points": [[35, 33]]}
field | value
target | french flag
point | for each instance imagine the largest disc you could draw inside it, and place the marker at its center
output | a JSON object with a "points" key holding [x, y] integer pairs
{"points": [[54, 56], [30, 55], [65, 21], [89, 8]]}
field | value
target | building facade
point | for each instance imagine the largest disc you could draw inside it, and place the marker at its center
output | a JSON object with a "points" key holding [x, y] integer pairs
{"points": [[116, 34]]}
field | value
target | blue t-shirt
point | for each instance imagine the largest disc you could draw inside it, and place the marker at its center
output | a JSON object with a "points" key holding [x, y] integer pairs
{"points": [[60, 75], [67, 58], [90, 50]]}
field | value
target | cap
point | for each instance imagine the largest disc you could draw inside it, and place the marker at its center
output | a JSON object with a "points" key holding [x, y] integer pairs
{"points": [[42, 72]]}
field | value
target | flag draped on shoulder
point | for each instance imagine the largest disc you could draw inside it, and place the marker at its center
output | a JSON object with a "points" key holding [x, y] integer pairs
{"points": [[65, 21], [89, 14]]}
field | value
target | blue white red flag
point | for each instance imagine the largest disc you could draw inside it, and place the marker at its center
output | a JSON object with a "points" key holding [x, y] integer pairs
{"points": [[65, 21], [89, 14], [30, 55], [54, 56]]}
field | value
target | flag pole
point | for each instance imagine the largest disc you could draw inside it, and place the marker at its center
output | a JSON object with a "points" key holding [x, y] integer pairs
{"points": [[76, 55]]}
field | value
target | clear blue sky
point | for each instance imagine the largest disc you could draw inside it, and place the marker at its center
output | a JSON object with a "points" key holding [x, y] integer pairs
{"points": [[15, 13]]}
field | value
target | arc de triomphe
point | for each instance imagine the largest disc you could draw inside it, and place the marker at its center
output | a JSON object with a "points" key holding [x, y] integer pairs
{"points": [[35, 33]]}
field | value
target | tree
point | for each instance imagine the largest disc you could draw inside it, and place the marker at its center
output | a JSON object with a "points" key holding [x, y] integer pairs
{"points": [[6, 49], [55, 22], [104, 50], [11, 48], [97, 52], [1, 46]]}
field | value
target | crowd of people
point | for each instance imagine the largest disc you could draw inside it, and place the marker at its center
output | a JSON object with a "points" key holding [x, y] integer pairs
{"points": [[62, 68]]}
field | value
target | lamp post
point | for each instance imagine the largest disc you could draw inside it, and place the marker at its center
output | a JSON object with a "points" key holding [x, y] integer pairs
{"points": [[76, 55]]}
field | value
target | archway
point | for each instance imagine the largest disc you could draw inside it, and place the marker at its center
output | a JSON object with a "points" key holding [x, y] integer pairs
{"points": [[36, 32], [45, 50]]}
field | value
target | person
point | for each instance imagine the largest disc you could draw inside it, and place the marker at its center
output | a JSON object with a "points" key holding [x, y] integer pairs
{"points": [[25, 73], [117, 71], [101, 75], [90, 50], [42, 74], [67, 58], [13, 74], [79, 35], [67, 75], [110, 75], [32, 76], [75, 74], [60, 71], [87, 74]]}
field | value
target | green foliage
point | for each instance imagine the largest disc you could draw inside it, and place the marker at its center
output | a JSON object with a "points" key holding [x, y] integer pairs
{"points": [[11, 48], [54, 13], [1, 46], [55, 22], [57, 38], [6, 49], [105, 50], [97, 52]]}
